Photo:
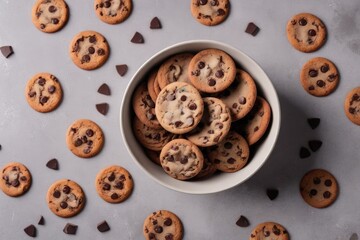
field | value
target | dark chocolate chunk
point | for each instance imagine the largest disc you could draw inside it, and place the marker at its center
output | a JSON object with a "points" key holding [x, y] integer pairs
{"points": [[91, 50], [53, 164], [106, 187], [56, 194], [85, 58], [313, 122], [15, 183], [272, 193], [101, 52], [201, 65], [102, 108], [242, 100], [104, 89], [51, 89], [304, 152], [219, 74], [63, 205], [103, 226], [252, 29], [114, 196], [328, 182], [211, 82], [220, 12], [324, 68], [167, 222], [7, 51], [327, 194], [314, 145], [70, 229], [30, 231], [313, 73], [203, 2], [316, 181], [137, 38], [66, 189], [312, 32], [23, 178], [52, 9], [78, 142], [119, 185], [158, 229], [41, 221], [92, 39], [55, 21], [242, 222], [155, 23], [122, 69], [313, 192], [302, 22], [320, 83]]}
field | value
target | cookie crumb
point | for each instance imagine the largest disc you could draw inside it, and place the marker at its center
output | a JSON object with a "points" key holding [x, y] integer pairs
{"points": [[252, 29]]}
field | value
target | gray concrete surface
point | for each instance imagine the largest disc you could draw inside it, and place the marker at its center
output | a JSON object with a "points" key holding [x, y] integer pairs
{"points": [[33, 138]]}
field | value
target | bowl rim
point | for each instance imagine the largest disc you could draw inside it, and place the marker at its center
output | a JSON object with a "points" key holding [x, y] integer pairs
{"points": [[222, 45]]}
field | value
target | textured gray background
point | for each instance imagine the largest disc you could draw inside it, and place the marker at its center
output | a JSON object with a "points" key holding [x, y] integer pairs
{"points": [[33, 138]]}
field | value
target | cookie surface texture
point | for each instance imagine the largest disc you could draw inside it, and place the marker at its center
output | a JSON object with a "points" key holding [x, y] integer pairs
{"points": [[84, 138], [43, 92], [352, 105], [113, 11], [15, 179], [269, 231], [210, 12]]}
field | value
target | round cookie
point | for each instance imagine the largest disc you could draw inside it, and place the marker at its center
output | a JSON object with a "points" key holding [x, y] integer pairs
{"points": [[210, 12], [319, 188], [154, 156], [89, 50], [15, 179], [255, 124], [113, 11], [319, 77], [306, 32], [179, 107], [240, 97], [174, 69], [269, 231], [151, 85], [212, 70], [49, 15], [157, 88], [114, 184], [151, 138], [231, 154], [65, 198], [181, 159], [144, 106], [163, 225], [214, 126], [352, 105], [84, 138], [208, 169], [43, 92]]}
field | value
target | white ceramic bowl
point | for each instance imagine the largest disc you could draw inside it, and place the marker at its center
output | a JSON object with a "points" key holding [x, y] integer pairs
{"points": [[222, 181]]}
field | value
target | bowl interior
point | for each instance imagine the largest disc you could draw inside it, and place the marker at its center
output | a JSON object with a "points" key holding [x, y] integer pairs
{"points": [[218, 182]]}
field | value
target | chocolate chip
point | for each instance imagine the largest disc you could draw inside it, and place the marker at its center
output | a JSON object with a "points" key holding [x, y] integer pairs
{"points": [[155, 23], [101, 52], [106, 187], [137, 38], [327, 194], [178, 123], [231, 160], [119, 185], [85, 58], [91, 50], [311, 87], [44, 99], [169, 237], [151, 235], [114, 196], [256, 129], [30, 231], [63, 205], [41, 221], [92, 39], [15, 183], [302, 22], [55, 21], [201, 65], [242, 222], [89, 132], [219, 74], [184, 160], [312, 33], [276, 230], [272, 193], [228, 145], [203, 2], [304, 152], [316, 181], [56, 194], [104, 89], [328, 182], [6, 51], [84, 139], [102, 108], [211, 82], [122, 69], [352, 110], [235, 105], [313, 122], [252, 29], [23, 178], [313, 192], [103, 226], [320, 83], [331, 77], [90, 143], [66, 189], [111, 177], [107, 4], [167, 222], [266, 233], [183, 98], [242, 100], [42, 26], [51, 89], [41, 81], [32, 94], [324, 68], [220, 12], [78, 142], [313, 73], [192, 106], [52, 9], [53, 164], [314, 145], [214, 3], [158, 229], [70, 229]]}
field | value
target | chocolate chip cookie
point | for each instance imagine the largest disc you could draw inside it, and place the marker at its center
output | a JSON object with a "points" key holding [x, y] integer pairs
{"points": [[84, 138], [15, 179], [151, 138], [214, 126], [89, 50], [209, 167], [319, 188], [255, 124], [144, 106], [352, 105], [240, 97], [181, 159], [43, 92], [306, 32], [163, 225], [210, 12], [154, 156], [50, 15], [174, 69], [212, 70], [231, 154], [179, 107], [319, 77], [269, 231], [113, 11], [151, 85], [114, 184], [65, 198]]}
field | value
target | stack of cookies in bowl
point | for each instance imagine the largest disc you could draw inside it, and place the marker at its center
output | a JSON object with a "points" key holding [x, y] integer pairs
{"points": [[196, 113]]}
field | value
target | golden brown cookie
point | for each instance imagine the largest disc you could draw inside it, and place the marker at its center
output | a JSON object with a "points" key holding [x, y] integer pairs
{"points": [[151, 85], [84, 138], [319, 188], [65, 198], [269, 231], [210, 12], [15, 179], [352, 105], [113, 11], [154, 156], [50, 15], [306, 32], [43, 92], [89, 50], [114, 184], [163, 225], [209, 167]]}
